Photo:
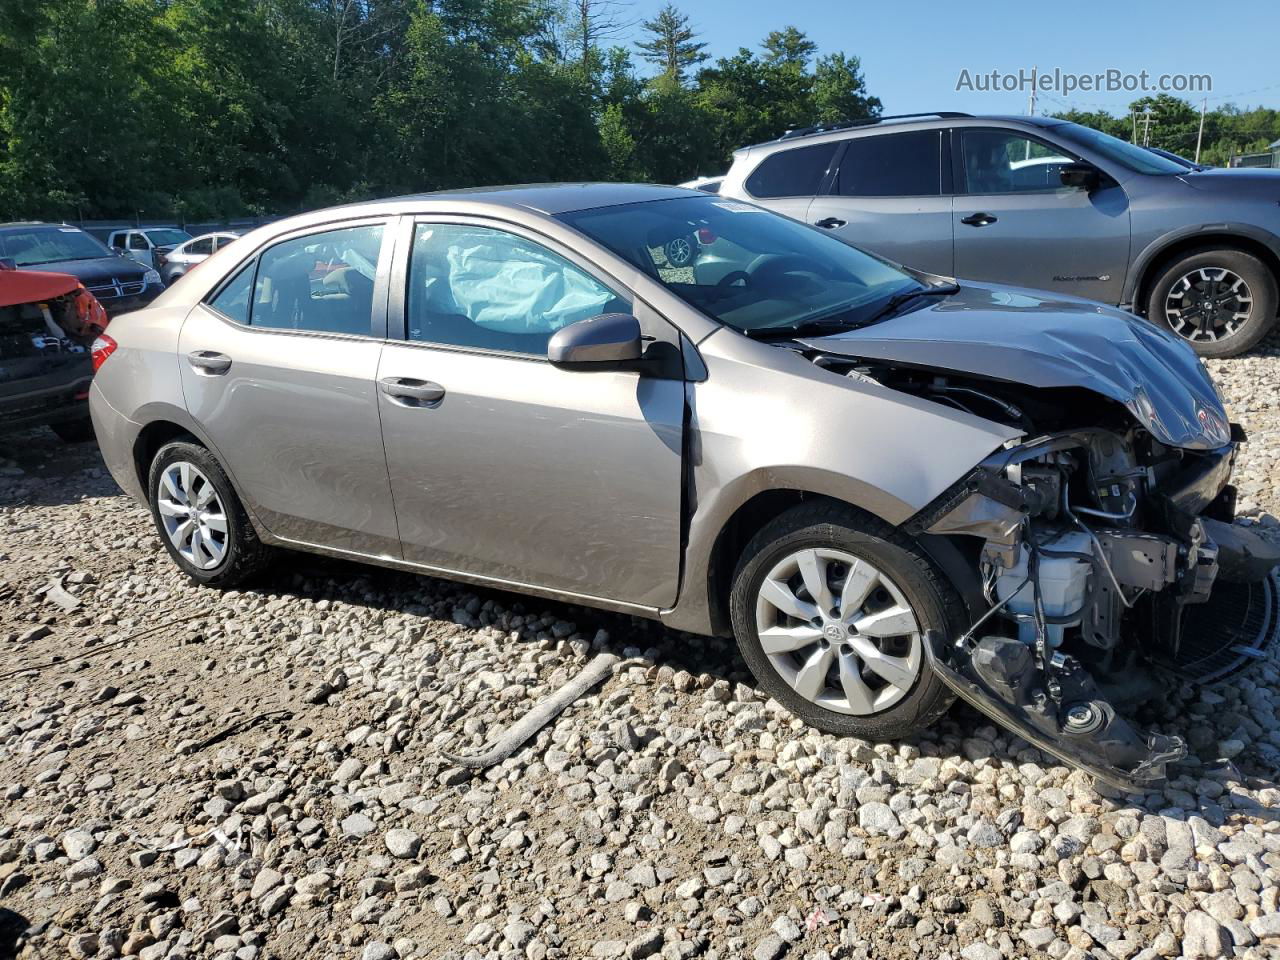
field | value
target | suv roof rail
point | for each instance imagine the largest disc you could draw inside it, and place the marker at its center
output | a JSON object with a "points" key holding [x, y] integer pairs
{"points": [[869, 121]]}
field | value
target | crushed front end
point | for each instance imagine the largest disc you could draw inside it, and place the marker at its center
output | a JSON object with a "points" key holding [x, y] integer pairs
{"points": [[1099, 547], [1103, 540]]}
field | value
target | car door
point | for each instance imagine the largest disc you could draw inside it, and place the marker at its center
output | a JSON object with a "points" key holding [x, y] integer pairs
{"points": [[139, 248], [889, 195], [1016, 223], [503, 466], [278, 369]]}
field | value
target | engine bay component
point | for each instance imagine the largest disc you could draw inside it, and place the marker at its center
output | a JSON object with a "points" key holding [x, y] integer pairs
{"points": [[1056, 708], [1091, 538]]}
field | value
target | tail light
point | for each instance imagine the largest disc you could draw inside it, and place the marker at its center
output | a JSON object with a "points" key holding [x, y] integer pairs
{"points": [[706, 236], [103, 347]]}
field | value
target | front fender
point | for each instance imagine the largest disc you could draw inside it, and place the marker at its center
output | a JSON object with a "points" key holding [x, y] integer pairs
{"points": [[1156, 248], [768, 419]]}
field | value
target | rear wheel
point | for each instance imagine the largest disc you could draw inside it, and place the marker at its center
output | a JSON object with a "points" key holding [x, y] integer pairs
{"points": [[199, 517], [830, 608], [1222, 302]]}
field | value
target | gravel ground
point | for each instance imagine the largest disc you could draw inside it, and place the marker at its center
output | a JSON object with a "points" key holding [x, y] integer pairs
{"points": [[259, 774]]}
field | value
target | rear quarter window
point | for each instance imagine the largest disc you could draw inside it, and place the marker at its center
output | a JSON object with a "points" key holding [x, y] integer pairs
{"points": [[791, 173]]}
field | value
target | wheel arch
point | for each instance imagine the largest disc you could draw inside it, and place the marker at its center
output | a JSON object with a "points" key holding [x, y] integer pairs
{"points": [[703, 606], [166, 425], [1152, 261]]}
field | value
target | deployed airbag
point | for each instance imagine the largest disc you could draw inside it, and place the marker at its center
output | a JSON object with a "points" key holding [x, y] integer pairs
{"points": [[502, 283]]}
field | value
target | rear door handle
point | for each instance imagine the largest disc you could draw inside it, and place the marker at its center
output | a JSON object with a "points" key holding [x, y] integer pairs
{"points": [[830, 223], [411, 393], [978, 219], [209, 363]]}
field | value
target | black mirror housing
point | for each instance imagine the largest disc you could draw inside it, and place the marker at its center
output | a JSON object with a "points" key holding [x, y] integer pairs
{"points": [[1084, 176], [607, 341]]}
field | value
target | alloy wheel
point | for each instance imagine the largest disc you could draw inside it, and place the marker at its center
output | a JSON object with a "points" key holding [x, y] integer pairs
{"points": [[838, 631], [193, 515], [1208, 304]]}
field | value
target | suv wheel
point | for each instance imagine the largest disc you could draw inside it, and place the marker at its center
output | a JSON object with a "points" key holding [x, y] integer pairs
{"points": [[1222, 302], [830, 608], [199, 517]]}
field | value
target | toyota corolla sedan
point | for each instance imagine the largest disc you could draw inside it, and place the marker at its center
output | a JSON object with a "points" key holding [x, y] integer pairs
{"points": [[892, 488]]}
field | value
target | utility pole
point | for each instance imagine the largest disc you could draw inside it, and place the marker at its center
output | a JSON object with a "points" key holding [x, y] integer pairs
{"points": [[1133, 115], [1204, 105], [1147, 120], [1031, 100]]}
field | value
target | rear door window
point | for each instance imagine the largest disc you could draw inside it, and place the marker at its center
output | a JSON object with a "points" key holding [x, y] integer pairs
{"points": [[791, 173], [892, 165], [201, 247]]}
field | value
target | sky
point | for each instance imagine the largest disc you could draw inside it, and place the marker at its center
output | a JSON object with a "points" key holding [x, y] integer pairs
{"points": [[913, 52]]}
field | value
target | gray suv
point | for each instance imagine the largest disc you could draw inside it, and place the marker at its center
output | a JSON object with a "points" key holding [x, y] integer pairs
{"points": [[1040, 203], [890, 488]]}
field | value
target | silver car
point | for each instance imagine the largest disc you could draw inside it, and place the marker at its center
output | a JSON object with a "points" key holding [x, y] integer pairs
{"points": [[892, 489], [1039, 202]]}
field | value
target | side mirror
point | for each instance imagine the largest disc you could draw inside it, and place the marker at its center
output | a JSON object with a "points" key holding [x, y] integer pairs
{"points": [[601, 343], [1084, 176]]}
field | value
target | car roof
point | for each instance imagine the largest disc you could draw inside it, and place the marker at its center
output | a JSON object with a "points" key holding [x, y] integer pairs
{"points": [[22, 224], [905, 122], [547, 198]]}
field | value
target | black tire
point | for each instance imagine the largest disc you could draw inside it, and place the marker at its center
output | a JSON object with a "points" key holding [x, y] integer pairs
{"points": [[932, 597], [74, 431], [1256, 275], [245, 554]]}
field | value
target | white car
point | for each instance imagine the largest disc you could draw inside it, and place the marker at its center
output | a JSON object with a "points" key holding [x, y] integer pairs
{"points": [[146, 244], [178, 261], [705, 184]]}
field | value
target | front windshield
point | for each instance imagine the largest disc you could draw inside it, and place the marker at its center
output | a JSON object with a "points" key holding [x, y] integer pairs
{"points": [[31, 246], [746, 267], [1137, 159], [168, 237]]}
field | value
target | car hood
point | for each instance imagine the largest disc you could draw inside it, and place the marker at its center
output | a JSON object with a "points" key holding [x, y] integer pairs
{"points": [[1249, 180], [95, 272], [1033, 338]]}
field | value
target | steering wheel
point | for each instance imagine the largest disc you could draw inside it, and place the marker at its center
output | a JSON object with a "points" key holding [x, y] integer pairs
{"points": [[732, 277], [784, 264]]}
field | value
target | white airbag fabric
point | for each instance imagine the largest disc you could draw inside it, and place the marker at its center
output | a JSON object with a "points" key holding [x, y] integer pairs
{"points": [[502, 283]]}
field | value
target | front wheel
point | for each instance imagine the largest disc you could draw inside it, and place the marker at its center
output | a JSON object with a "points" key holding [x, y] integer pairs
{"points": [[199, 517], [1222, 302], [830, 608]]}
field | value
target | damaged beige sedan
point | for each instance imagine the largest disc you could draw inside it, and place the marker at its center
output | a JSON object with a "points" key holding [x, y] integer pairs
{"points": [[892, 488]]}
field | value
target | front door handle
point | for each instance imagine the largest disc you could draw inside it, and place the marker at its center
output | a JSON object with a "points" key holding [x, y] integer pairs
{"points": [[978, 219], [411, 393], [209, 363], [830, 223]]}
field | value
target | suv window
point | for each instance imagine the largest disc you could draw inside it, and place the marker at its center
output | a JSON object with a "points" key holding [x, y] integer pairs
{"points": [[322, 282], [892, 165], [1001, 161], [486, 288], [138, 241], [791, 173]]}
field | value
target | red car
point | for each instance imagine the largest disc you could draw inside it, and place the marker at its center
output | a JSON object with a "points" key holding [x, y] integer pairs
{"points": [[51, 339]]}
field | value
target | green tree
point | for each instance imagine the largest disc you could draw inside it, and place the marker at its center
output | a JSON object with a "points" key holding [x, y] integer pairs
{"points": [[672, 45], [788, 45], [840, 92]]}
